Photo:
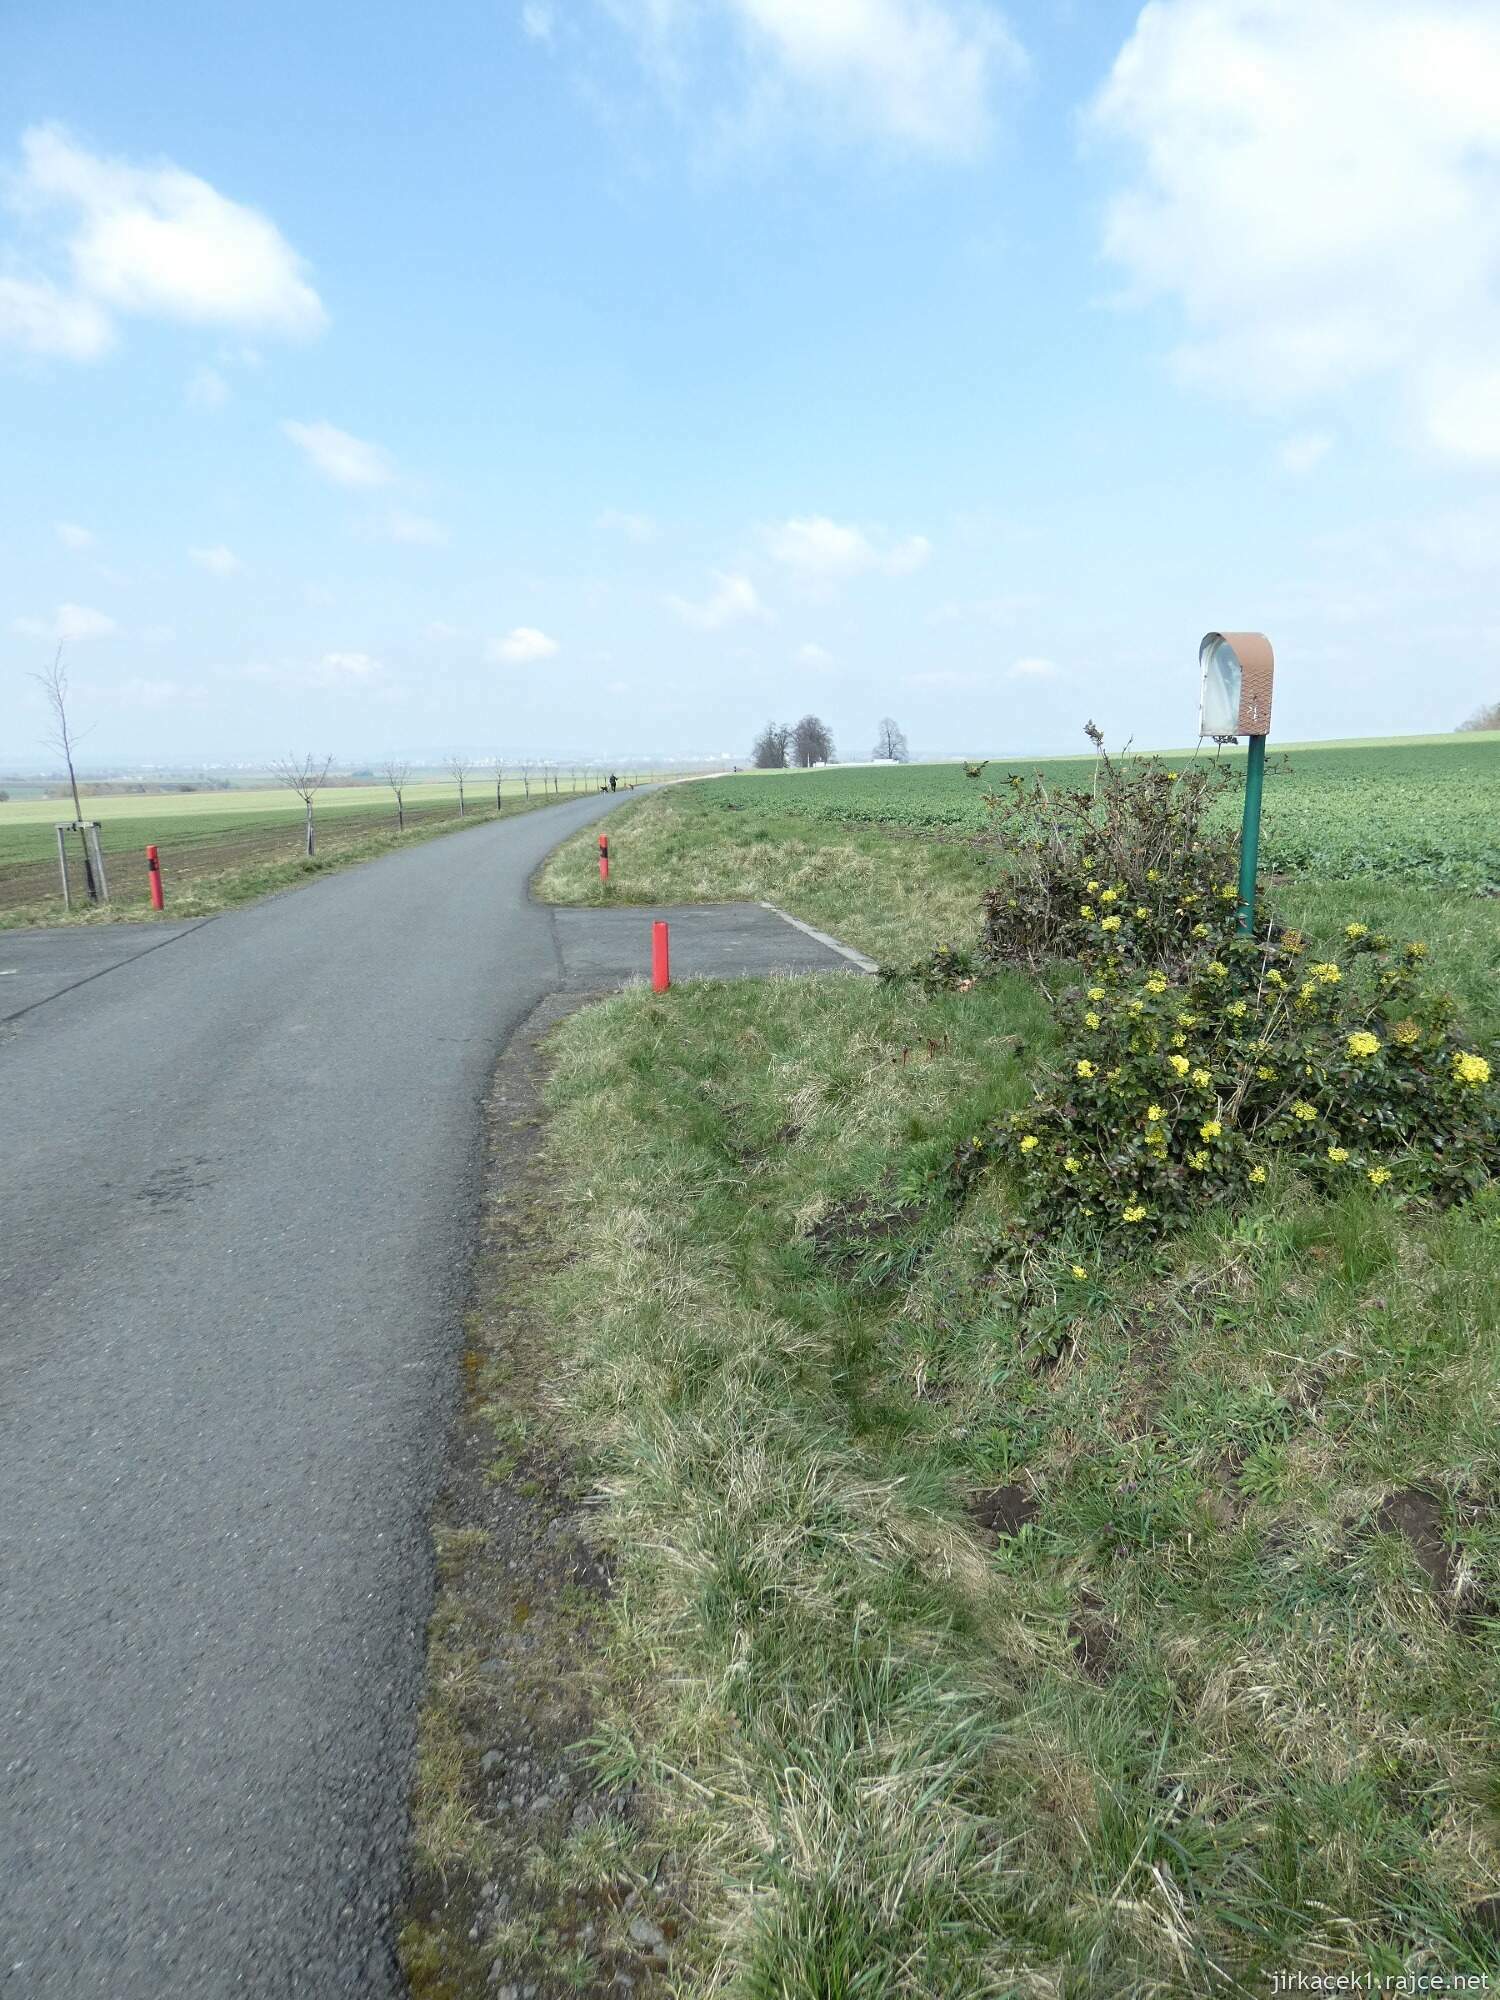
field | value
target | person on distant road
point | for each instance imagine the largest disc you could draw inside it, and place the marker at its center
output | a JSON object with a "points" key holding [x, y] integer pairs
{"points": [[611, 781]]}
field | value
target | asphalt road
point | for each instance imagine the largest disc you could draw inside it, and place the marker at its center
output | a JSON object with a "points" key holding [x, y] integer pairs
{"points": [[239, 1168], [238, 1177]]}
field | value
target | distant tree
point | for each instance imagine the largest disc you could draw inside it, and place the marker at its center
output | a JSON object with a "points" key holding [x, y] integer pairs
{"points": [[306, 777], [54, 686], [771, 747], [397, 776], [891, 742], [526, 779], [1487, 717], [812, 742], [460, 767], [499, 764]]}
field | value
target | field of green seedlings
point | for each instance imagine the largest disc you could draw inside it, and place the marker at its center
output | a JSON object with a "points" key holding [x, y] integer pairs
{"points": [[1416, 812]]}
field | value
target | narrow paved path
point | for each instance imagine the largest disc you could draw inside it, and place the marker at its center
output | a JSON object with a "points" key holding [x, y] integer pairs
{"points": [[237, 1185]]}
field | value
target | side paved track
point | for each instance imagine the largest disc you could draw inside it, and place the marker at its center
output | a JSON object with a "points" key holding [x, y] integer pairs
{"points": [[237, 1187]]}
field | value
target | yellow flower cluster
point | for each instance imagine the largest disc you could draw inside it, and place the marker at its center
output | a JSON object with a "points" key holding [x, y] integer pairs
{"points": [[1156, 984], [1202, 1078], [1338, 1154], [1406, 1032], [1085, 1068], [1216, 969], [1363, 1043], [1070, 1165], [1154, 1112], [1303, 1111], [1109, 924], [1091, 1021], [1257, 1175], [1378, 1176], [1198, 1161], [1211, 1129], [1471, 1070], [1179, 1064], [1355, 931], [1079, 1273], [1326, 974], [1135, 1213]]}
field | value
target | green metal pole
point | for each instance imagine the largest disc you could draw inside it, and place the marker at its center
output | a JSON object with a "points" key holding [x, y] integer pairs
{"points": [[1255, 773]]}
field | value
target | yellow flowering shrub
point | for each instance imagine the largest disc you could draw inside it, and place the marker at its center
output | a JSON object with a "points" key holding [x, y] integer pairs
{"points": [[1196, 1082]]}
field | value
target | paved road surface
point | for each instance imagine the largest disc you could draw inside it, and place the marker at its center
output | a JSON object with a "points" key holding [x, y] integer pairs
{"points": [[237, 1186]]}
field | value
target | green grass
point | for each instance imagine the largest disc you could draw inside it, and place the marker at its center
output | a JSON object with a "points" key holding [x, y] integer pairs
{"points": [[1211, 1713], [1202, 1718], [1421, 811]]}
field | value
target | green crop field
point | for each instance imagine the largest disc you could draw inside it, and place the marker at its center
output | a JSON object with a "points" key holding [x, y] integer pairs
{"points": [[1421, 810]]}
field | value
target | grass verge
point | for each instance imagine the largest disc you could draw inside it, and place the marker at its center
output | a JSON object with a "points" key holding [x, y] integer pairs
{"points": [[888, 896], [977, 1634]]}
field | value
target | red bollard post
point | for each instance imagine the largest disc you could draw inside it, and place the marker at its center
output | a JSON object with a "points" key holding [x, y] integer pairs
{"points": [[604, 857], [661, 970], [153, 868]]}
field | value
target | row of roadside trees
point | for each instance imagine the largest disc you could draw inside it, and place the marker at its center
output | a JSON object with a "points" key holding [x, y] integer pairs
{"points": [[306, 776]]}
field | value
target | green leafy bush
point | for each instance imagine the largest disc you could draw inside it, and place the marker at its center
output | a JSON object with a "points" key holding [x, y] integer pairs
{"points": [[1175, 1090]]}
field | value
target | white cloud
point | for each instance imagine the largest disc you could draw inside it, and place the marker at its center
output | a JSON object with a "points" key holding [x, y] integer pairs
{"points": [[151, 241], [1033, 670], [346, 460], [734, 599], [440, 629], [638, 528], [347, 670], [924, 73], [416, 529], [331, 673], [536, 21], [37, 316], [72, 536], [1300, 454], [524, 644], [207, 389], [68, 623], [823, 551], [949, 680], [218, 561], [813, 655], [1318, 186]]}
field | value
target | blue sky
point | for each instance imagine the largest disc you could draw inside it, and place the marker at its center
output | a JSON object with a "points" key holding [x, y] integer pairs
{"points": [[604, 378]]}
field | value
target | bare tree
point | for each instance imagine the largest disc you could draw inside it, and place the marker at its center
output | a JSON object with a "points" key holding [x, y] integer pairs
{"points": [[499, 765], [460, 766], [397, 776], [54, 685], [306, 777], [812, 742], [890, 742], [526, 779], [1487, 717], [771, 747]]}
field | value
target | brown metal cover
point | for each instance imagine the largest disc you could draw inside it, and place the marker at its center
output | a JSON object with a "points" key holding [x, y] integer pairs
{"points": [[1258, 667]]}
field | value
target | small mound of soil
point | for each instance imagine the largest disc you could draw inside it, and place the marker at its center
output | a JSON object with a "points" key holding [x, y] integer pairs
{"points": [[1002, 1511]]}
